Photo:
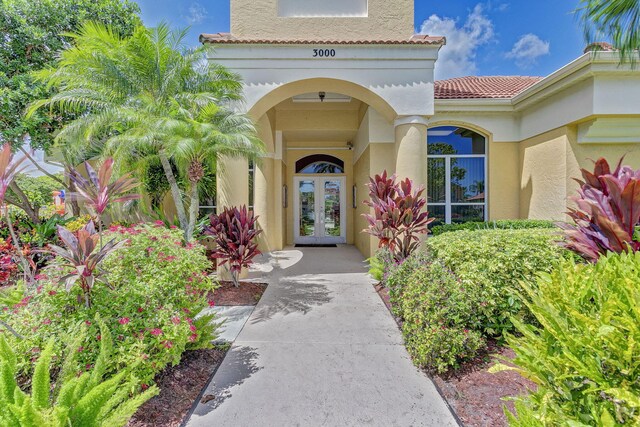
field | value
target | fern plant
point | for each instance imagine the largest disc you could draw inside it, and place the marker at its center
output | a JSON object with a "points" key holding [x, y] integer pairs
{"points": [[88, 399]]}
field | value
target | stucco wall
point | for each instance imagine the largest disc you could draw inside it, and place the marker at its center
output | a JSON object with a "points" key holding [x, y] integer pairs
{"points": [[361, 172], [503, 180], [259, 19], [543, 176], [549, 163]]}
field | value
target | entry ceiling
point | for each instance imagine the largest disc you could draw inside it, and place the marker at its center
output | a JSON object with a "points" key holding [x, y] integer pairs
{"points": [[324, 130]]}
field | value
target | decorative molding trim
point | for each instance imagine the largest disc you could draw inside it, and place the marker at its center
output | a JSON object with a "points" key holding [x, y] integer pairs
{"points": [[610, 130], [410, 120]]}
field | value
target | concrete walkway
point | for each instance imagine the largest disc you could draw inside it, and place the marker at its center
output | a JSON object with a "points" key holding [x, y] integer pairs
{"points": [[320, 349]]}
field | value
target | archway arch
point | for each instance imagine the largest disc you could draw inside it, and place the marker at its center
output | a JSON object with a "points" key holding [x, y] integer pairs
{"points": [[289, 90], [462, 124]]}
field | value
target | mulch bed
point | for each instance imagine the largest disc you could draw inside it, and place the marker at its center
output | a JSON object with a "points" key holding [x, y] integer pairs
{"points": [[248, 293], [180, 386], [475, 395]]}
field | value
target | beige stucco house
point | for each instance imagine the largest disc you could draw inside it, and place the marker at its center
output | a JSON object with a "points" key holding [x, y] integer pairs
{"points": [[343, 89]]}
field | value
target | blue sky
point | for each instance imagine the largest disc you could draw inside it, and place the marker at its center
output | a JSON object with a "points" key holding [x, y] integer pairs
{"points": [[493, 37]]}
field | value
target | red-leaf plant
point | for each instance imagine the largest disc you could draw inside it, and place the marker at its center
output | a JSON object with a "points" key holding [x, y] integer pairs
{"points": [[82, 255], [9, 169], [8, 267], [398, 219], [235, 232], [98, 193], [607, 213]]}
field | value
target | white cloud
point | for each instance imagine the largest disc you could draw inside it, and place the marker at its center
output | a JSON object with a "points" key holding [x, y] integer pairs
{"points": [[458, 57], [527, 50], [197, 14]]}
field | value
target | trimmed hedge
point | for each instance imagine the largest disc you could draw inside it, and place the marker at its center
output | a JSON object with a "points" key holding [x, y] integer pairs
{"points": [[464, 287], [502, 224], [496, 261], [438, 315], [584, 356]]}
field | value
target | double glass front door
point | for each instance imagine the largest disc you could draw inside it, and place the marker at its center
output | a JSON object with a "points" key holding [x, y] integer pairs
{"points": [[319, 210]]}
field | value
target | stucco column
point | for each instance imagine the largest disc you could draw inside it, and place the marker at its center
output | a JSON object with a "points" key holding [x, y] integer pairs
{"points": [[263, 205], [232, 176], [411, 148]]}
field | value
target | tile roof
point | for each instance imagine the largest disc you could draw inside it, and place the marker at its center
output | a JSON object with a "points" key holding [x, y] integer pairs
{"points": [[599, 46], [483, 87], [228, 38]]}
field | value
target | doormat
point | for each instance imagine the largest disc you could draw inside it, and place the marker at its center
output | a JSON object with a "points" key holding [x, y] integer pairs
{"points": [[317, 246]]}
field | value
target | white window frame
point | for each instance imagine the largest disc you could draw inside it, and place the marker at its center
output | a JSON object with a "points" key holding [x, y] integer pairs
{"points": [[447, 171]]}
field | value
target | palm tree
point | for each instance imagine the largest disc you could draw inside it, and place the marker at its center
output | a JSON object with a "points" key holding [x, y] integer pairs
{"points": [[147, 97], [618, 20]]}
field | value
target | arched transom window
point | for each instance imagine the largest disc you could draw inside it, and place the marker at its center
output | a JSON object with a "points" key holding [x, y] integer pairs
{"points": [[320, 163], [457, 175]]}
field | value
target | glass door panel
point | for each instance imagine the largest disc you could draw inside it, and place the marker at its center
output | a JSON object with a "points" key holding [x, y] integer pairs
{"points": [[437, 182], [331, 209], [467, 180], [307, 208]]}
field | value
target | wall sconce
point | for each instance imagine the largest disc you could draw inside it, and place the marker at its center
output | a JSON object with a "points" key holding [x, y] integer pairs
{"points": [[355, 196], [285, 194]]}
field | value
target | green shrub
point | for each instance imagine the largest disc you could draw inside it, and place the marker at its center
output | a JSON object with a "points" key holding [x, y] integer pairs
{"points": [[438, 312], [494, 262], [39, 189], [88, 399], [156, 287], [585, 356], [502, 224]]}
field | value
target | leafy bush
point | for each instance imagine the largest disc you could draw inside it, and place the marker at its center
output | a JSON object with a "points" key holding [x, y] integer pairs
{"points": [[235, 235], [157, 286], [77, 223], [494, 262], [439, 315], [506, 224], [88, 399], [39, 189], [608, 212], [584, 357], [398, 219]]}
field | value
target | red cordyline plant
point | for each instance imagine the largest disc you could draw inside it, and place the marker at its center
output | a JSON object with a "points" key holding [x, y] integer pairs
{"points": [[82, 255], [235, 232], [607, 213], [9, 169], [97, 192], [398, 219]]}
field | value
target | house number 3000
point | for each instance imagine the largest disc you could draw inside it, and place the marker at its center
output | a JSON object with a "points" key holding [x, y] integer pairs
{"points": [[324, 53]]}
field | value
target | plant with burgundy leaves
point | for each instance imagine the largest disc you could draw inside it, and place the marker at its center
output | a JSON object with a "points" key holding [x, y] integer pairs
{"points": [[607, 213], [83, 257], [9, 170], [98, 193], [397, 220], [235, 232], [8, 268]]}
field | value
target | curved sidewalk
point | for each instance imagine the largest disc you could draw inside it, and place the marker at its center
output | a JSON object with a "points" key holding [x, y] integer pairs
{"points": [[320, 349]]}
